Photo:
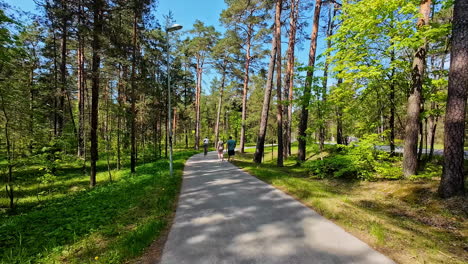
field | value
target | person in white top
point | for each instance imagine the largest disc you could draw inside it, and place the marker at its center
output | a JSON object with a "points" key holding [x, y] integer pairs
{"points": [[205, 145], [220, 148]]}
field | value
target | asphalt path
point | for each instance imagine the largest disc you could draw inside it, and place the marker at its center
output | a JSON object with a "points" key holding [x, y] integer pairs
{"points": [[226, 216]]}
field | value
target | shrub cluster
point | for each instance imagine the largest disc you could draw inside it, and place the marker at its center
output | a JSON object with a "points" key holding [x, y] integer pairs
{"points": [[359, 160]]}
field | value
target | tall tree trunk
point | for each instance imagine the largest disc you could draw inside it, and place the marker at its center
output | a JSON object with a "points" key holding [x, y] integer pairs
{"points": [[246, 85], [410, 155], [220, 101], [166, 135], [56, 91], [453, 176], [107, 133], [269, 85], [392, 106], [289, 77], [63, 69], [186, 126], [308, 86], [339, 119], [330, 26], [81, 85], [32, 91], [133, 99], [199, 69], [434, 117], [120, 101], [279, 91], [96, 46]]}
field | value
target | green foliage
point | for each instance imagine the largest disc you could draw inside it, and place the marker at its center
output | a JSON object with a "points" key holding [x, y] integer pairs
{"points": [[360, 160], [127, 214]]}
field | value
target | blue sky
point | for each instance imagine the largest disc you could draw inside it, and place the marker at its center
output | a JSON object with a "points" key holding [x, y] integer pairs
{"points": [[185, 12]]}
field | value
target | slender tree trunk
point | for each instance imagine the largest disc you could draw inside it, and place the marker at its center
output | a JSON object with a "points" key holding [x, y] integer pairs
{"points": [[339, 119], [392, 107], [220, 101], [174, 126], [81, 86], [133, 103], [289, 77], [308, 86], [410, 155], [331, 15], [269, 85], [56, 91], [186, 127], [246, 85], [433, 119], [63, 70], [119, 115], [166, 136], [107, 133], [421, 140], [31, 102], [453, 176], [96, 46], [199, 69], [279, 104], [9, 182]]}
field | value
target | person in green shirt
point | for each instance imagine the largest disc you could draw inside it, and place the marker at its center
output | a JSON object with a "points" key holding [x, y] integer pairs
{"points": [[231, 146]]}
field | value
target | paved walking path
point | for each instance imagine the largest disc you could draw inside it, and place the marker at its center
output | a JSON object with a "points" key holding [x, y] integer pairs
{"points": [[226, 216]]}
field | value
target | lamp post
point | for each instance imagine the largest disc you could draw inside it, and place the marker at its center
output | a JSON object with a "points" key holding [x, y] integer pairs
{"points": [[169, 108]]}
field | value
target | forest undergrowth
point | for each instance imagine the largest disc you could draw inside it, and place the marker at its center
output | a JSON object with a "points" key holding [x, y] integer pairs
{"points": [[362, 190], [64, 221]]}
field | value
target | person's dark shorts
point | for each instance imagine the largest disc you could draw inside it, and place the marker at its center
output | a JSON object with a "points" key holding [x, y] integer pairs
{"points": [[231, 152]]}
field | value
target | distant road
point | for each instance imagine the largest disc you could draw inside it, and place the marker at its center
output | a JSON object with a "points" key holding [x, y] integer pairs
{"points": [[437, 152]]}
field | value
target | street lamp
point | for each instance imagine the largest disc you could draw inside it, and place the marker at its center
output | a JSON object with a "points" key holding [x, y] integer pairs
{"points": [[169, 108]]}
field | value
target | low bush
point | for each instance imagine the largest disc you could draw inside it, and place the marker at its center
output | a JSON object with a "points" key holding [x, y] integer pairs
{"points": [[359, 160]]}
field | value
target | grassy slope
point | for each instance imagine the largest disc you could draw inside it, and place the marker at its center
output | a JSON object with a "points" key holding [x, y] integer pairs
{"points": [[403, 219], [111, 223]]}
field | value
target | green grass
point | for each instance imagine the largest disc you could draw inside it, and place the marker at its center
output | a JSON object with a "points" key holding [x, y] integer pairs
{"points": [[110, 223], [403, 219]]}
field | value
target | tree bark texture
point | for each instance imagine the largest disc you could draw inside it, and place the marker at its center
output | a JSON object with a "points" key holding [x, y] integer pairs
{"points": [[199, 69], [246, 86], [133, 97], [453, 176], [289, 77], [279, 104], [308, 86], [96, 46], [266, 99], [63, 69], [81, 84], [410, 153], [392, 108], [220, 101]]}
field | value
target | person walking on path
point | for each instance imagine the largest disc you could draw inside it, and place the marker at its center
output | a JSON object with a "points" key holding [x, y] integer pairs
{"points": [[225, 215], [205, 145], [220, 148], [231, 146]]}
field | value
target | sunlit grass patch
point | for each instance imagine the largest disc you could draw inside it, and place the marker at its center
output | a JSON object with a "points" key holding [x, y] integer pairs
{"points": [[110, 223], [403, 219]]}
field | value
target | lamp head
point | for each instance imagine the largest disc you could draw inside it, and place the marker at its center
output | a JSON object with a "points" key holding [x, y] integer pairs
{"points": [[174, 28]]}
